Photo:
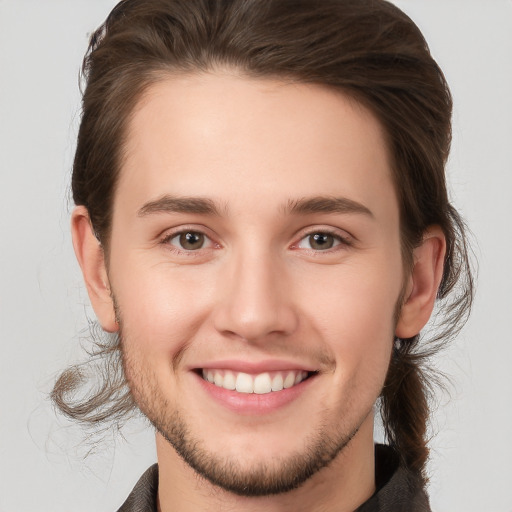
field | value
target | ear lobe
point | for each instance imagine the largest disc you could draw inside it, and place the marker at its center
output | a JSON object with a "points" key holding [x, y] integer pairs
{"points": [[91, 258], [422, 284]]}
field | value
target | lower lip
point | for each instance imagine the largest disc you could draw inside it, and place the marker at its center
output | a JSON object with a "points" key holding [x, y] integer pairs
{"points": [[253, 403]]}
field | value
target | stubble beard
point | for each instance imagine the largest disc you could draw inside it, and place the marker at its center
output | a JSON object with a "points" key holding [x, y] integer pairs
{"points": [[268, 477]]}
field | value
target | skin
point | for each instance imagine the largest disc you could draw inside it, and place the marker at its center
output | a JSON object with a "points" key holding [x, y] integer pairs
{"points": [[258, 291]]}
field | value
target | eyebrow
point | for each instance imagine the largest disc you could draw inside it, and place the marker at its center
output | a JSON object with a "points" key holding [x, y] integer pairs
{"points": [[172, 204], [326, 204], [206, 206]]}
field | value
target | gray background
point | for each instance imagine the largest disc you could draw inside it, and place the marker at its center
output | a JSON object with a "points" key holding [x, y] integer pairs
{"points": [[43, 304]]}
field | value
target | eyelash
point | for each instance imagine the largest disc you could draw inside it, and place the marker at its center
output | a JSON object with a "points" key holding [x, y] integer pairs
{"points": [[343, 241], [181, 251]]}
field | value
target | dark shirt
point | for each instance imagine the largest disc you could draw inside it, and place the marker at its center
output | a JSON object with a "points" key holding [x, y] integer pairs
{"points": [[398, 490]]}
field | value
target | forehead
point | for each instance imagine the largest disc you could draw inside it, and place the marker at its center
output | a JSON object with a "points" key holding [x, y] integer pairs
{"points": [[236, 138]]}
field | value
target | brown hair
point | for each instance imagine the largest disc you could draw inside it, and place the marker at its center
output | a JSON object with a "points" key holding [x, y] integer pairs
{"points": [[369, 50]]}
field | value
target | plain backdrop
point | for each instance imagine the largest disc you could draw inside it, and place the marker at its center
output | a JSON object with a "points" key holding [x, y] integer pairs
{"points": [[44, 307]]}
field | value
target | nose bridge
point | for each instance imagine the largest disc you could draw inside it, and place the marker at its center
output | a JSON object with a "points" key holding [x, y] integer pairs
{"points": [[257, 300]]}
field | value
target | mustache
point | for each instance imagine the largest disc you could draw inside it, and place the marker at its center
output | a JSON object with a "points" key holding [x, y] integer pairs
{"points": [[274, 346]]}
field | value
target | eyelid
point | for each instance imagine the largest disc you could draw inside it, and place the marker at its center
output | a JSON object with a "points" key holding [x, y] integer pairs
{"points": [[168, 235], [342, 236], [345, 238]]}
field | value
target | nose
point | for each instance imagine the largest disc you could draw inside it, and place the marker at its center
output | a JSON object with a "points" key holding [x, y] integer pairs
{"points": [[257, 301]]}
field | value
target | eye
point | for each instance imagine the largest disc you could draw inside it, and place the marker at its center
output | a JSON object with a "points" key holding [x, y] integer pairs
{"points": [[188, 240], [320, 241]]}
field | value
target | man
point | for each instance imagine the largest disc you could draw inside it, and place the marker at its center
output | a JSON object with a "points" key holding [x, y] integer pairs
{"points": [[262, 219]]}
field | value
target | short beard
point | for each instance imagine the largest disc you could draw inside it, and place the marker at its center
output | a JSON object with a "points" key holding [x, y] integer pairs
{"points": [[267, 478], [263, 480]]}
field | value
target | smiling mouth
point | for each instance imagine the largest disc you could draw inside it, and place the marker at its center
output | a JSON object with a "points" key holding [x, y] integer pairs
{"points": [[260, 384]]}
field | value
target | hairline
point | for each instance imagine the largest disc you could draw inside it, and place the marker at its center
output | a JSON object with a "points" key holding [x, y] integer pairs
{"points": [[157, 75]]}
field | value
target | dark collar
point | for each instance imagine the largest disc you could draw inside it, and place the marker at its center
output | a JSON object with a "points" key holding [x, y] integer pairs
{"points": [[398, 490], [143, 496]]}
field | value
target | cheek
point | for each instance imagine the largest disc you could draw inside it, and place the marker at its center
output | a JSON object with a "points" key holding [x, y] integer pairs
{"points": [[356, 318], [165, 310], [155, 309]]}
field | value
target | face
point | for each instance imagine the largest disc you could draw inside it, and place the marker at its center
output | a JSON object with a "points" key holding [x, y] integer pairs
{"points": [[255, 264]]}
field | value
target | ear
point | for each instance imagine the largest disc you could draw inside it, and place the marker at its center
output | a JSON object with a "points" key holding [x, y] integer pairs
{"points": [[423, 283], [91, 257]]}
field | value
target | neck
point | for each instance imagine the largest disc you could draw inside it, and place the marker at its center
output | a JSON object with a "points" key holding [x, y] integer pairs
{"points": [[346, 483]]}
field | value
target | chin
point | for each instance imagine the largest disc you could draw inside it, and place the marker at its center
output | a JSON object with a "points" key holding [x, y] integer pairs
{"points": [[247, 469]]}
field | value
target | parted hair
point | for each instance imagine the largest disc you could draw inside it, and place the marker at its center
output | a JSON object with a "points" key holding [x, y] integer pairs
{"points": [[367, 49]]}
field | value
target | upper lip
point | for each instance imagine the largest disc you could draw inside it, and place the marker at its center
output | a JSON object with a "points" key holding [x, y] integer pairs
{"points": [[251, 367]]}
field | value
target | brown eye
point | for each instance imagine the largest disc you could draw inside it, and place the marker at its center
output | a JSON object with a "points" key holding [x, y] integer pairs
{"points": [[321, 241], [187, 240], [191, 240]]}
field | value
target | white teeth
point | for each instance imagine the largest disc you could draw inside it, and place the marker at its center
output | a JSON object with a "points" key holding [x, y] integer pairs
{"points": [[229, 381], [300, 377], [208, 375], [218, 379], [260, 384], [244, 383], [277, 382], [289, 381]]}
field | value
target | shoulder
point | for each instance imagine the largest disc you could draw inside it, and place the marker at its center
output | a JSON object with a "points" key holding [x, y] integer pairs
{"points": [[144, 494], [398, 489]]}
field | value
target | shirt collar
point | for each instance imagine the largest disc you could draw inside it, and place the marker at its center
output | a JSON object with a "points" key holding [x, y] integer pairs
{"points": [[398, 489]]}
